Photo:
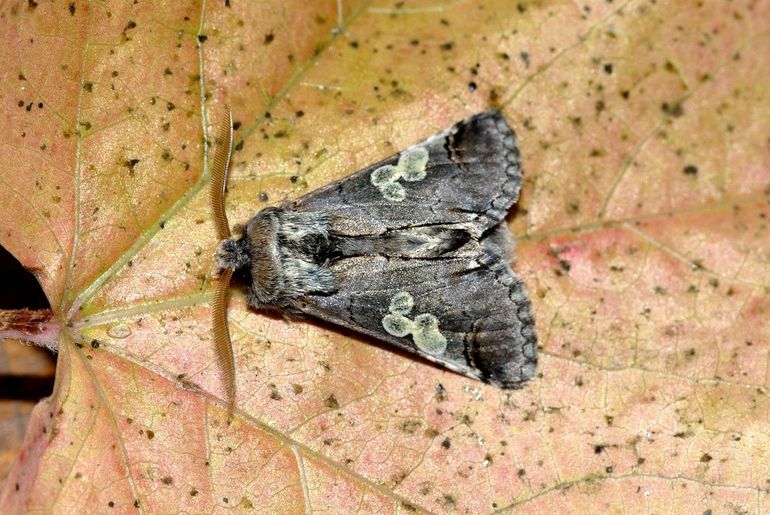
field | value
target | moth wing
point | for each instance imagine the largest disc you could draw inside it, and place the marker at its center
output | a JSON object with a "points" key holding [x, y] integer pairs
{"points": [[469, 315], [469, 173]]}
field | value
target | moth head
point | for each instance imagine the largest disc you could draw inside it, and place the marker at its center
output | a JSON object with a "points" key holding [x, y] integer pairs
{"points": [[233, 253], [231, 256]]}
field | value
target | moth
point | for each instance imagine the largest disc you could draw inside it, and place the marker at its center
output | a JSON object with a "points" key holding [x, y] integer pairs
{"points": [[412, 251]]}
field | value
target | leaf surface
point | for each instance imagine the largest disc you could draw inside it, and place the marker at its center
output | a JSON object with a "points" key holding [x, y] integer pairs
{"points": [[642, 236]]}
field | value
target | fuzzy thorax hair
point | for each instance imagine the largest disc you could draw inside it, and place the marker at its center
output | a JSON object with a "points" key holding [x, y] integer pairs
{"points": [[287, 255]]}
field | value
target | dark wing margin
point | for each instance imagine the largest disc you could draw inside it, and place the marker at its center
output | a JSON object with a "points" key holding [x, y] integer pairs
{"points": [[486, 144], [471, 316], [468, 174], [510, 363]]}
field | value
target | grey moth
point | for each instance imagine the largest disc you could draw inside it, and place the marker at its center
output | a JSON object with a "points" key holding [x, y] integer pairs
{"points": [[412, 251]]}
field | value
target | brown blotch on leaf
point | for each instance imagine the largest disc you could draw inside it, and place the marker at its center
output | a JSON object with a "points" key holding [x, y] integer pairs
{"points": [[131, 165], [599, 106], [410, 426], [331, 402], [674, 110], [494, 98], [597, 152]]}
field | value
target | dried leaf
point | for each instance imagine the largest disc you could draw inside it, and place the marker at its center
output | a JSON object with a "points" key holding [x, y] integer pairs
{"points": [[643, 238]]}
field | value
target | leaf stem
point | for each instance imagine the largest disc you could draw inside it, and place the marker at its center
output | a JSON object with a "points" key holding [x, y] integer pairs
{"points": [[35, 326]]}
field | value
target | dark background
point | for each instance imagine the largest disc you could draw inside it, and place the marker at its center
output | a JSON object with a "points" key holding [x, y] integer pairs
{"points": [[26, 371]]}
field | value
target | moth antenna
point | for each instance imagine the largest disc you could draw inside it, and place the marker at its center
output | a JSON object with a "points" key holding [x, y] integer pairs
{"points": [[221, 330], [219, 172], [224, 346]]}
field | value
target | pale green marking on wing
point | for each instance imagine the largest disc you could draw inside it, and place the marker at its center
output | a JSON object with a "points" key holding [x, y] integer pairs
{"points": [[411, 167], [424, 328]]}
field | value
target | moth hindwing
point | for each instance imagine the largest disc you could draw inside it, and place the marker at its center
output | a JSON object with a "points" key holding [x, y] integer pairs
{"points": [[412, 251]]}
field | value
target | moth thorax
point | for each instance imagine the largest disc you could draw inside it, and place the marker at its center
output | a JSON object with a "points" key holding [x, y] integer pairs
{"points": [[233, 253], [288, 254]]}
